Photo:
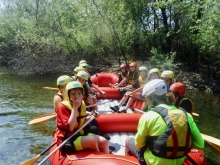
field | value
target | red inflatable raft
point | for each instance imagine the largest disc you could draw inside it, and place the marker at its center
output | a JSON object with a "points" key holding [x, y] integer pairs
{"points": [[103, 80], [119, 127]]}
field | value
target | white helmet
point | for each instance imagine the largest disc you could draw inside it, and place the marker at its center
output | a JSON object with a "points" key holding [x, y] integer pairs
{"points": [[155, 87]]}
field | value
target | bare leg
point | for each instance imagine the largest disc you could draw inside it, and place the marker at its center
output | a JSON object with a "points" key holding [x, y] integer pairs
{"points": [[90, 142], [102, 144], [124, 99]]}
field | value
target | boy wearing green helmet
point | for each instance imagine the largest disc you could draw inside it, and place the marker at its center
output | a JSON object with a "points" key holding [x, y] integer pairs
{"points": [[60, 95]]}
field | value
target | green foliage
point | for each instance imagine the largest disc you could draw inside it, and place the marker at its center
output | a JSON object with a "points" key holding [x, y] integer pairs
{"points": [[164, 60], [101, 30]]}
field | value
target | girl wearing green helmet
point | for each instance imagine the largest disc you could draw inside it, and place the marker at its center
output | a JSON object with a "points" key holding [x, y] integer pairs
{"points": [[61, 84], [154, 74], [71, 115], [168, 77]]}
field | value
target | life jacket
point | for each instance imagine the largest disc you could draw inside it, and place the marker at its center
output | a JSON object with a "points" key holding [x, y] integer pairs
{"points": [[123, 77], [80, 115], [184, 98], [131, 79], [141, 81], [175, 142]]}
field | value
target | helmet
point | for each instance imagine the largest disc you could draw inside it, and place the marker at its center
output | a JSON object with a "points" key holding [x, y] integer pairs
{"points": [[143, 68], [84, 65], [133, 64], [82, 61], [179, 88], [82, 74], [155, 87], [63, 80], [123, 66], [168, 74], [72, 85], [78, 68], [155, 70]]}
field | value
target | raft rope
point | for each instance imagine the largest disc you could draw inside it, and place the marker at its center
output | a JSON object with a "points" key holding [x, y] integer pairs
{"points": [[71, 160]]}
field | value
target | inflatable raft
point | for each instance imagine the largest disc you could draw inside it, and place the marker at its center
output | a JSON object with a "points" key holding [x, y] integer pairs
{"points": [[102, 80], [118, 127]]}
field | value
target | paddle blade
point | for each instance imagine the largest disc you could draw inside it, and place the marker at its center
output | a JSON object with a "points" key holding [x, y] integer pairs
{"points": [[214, 147], [42, 118], [31, 161], [195, 114], [50, 88]]}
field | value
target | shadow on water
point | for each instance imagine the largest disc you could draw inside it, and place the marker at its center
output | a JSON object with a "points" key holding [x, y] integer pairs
{"points": [[23, 98]]}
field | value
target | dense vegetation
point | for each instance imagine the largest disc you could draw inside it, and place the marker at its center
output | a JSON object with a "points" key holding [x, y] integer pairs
{"points": [[41, 34]]}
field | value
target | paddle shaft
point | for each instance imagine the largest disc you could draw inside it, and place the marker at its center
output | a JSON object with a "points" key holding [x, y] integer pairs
{"points": [[63, 143], [138, 110]]}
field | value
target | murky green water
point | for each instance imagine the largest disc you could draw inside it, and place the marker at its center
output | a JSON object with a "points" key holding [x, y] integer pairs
{"points": [[23, 98]]}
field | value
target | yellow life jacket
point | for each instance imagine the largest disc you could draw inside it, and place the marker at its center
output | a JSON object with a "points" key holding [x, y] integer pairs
{"points": [[123, 77], [81, 114], [131, 79], [141, 81], [175, 142]]}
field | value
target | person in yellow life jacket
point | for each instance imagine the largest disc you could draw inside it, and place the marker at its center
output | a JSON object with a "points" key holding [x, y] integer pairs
{"points": [[121, 76], [136, 94], [70, 117], [168, 77], [75, 71], [91, 84], [133, 83], [165, 134], [60, 95], [179, 90], [89, 99], [154, 74]]}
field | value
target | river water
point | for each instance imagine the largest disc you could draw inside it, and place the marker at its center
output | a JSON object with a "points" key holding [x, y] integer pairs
{"points": [[23, 98]]}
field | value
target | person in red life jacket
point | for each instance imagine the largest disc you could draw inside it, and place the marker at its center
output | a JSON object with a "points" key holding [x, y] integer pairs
{"points": [[179, 90], [121, 76], [71, 115], [132, 81], [165, 134], [61, 84], [168, 77], [91, 84], [143, 79]]}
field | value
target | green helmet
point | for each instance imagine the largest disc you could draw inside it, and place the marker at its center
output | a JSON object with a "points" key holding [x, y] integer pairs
{"points": [[168, 74], [143, 68], [82, 61], [155, 70], [82, 74], [73, 85], [84, 65], [63, 80], [78, 68]]}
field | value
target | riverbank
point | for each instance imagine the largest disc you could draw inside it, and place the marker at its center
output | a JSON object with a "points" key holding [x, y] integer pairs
{"points": [[54, 65]]}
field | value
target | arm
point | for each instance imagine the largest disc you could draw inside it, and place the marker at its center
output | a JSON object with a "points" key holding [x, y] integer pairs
{"points": [[197, 140], [73, 116], [123, 81], [94, 86]]}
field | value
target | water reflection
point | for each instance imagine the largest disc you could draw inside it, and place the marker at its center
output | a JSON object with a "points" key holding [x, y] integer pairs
{"points": [[22, 98]]}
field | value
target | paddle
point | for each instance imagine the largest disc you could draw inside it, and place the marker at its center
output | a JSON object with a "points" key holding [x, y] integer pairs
{"points": [[214, 143], [45, 117], [138, 110], [51, 88], [33, 160], [86, 123]]}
